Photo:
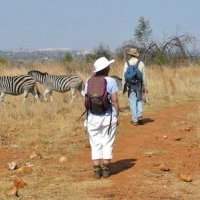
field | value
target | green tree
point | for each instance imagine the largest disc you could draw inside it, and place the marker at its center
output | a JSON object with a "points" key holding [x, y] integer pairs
{"points": [[68, 57], [102, 50], [143, 32]]}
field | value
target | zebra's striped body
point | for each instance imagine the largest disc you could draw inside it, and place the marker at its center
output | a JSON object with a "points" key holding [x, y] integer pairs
{"points": [[58, 83], [17, 85]]}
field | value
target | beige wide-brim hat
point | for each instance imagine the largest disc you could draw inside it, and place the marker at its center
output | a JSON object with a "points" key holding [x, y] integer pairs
{"points": [[133, 52], [101, 63]]}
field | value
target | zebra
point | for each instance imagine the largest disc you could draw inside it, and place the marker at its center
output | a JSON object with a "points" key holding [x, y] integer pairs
{"points": [[118, 81], [17, 85], [58, 83]]}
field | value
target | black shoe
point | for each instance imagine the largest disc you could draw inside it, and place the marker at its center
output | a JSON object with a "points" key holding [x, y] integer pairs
{"points": [[134, 123], [140, 122], [106, 171], [97, 171]]}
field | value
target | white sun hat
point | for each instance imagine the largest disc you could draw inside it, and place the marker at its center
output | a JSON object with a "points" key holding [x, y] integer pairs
{"points": [[101, 63]]}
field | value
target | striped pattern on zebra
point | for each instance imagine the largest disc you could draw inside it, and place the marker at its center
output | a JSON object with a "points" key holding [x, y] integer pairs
{"points": [[17, 85], [58, 83]]}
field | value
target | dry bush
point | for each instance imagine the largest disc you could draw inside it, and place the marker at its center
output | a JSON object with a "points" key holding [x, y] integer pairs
{"points": [[173, 84]]}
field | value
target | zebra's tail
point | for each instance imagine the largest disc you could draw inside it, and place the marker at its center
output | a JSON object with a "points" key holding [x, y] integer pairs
{"points": [[81, 86]]}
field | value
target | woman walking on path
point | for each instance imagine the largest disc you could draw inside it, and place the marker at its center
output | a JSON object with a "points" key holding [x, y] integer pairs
{"points": [[101, 101]]}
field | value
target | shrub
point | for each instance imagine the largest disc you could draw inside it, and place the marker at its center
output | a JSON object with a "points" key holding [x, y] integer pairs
{"points": [[90, 58], [102, 51], [160, 58], [68, 57], [3, 61]]}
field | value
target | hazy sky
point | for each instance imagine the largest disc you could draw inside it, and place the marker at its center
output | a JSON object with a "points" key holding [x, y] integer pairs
{"points": [[83, 24]]}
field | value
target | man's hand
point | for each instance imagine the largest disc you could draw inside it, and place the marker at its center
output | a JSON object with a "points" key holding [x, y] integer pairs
{"points": [[124, 88], [145, 91], [145, 96]]}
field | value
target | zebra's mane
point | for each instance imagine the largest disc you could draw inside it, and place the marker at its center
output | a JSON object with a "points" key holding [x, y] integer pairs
{"points": [[37, 71]]}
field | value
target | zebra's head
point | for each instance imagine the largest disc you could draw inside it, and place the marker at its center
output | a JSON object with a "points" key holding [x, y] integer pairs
{"points": [[38, 76], [118, 81]]}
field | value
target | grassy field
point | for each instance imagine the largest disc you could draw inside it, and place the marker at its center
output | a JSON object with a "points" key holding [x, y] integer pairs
{"points": [[52, 130]]}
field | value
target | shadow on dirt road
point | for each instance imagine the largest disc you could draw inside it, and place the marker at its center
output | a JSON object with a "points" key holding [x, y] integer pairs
{"points": [[122, 165]]}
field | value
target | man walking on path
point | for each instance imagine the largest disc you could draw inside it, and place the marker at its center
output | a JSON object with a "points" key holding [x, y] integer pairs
{"points": [[101, 102], [134, 79]]}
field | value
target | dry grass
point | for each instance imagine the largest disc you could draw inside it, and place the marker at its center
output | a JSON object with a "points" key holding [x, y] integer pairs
{"points": [[174, 84], [52, 129]]}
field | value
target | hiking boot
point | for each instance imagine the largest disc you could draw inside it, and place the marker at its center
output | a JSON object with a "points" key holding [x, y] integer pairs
{"points": [[106, 171], [134, 123], [97, 171], [140, 121]]}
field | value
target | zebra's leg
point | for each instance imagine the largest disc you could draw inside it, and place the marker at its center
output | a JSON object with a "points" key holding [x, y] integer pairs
{"points": [[36, 97], [46, 93], [2, 96], [51, 96], [36, 93], [73, 94], [26, 92]]}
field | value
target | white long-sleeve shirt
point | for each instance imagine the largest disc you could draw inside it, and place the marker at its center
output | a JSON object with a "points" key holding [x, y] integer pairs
{"points": [[141, 67]]}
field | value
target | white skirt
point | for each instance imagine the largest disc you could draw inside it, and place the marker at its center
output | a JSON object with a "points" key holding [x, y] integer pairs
{"points": [[102, 132]]}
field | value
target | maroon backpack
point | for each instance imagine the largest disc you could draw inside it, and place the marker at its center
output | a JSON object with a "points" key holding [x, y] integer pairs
{"points": [[97, 97]]}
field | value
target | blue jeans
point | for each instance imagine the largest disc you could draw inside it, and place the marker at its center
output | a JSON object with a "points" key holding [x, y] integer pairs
{"points": [[136, 106]]}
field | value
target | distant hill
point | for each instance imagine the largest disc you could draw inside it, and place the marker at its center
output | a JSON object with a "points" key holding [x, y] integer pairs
{"points": [[41, 54]]}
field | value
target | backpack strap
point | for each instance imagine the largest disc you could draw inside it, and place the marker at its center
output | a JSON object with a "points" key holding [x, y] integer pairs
{"points": [[127, 86], [137, 64]]}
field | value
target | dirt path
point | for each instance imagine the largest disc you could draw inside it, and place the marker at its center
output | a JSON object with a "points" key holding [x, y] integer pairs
{"points": [[150, 159], [151, 162]]}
